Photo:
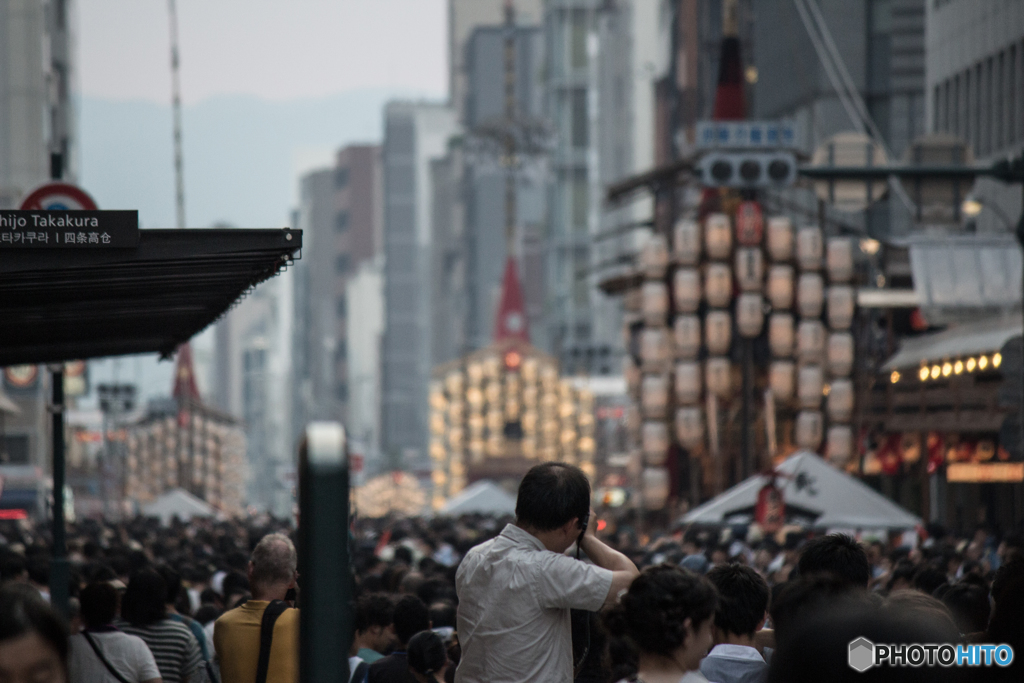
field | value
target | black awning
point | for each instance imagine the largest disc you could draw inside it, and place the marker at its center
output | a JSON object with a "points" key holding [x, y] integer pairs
{"points": [[62, 304]]}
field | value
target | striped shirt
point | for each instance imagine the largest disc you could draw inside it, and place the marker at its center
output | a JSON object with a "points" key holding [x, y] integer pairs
{"points": [[174, 648]]}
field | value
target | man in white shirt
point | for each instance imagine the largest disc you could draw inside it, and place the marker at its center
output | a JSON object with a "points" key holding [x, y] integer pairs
{"points": [[101, 650], [742, 609], [515, 591]]}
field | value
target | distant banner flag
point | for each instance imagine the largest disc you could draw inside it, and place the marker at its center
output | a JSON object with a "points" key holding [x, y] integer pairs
{"points": [[770, 510]]}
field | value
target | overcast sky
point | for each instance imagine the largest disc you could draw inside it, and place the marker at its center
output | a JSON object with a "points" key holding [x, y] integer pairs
{"points": [[277, 49]]}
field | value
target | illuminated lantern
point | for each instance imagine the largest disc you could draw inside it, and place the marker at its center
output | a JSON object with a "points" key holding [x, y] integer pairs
{"points": [[718, 236], [840, 444], [780, 379], [840, 400], [749, 269], [840, 354], [688, 382], [839, 259], [629, 370], [780, 287], [810, 341], [655, 487], [655, 349], [780, 238], [690, 426], [809, 248], [781, 334], [655, 443], [654, 257], [687, 336], [810, 381], [655, 303], [717, 376], [633, 419], [718, 331], [686, 242], [749, 314], [810, 295], [686, 289], [654, 396], [718, 285], [840, 307], [809, 429]]}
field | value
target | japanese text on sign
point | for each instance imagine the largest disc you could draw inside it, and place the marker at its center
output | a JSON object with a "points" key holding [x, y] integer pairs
{"points": [[745, 134]]}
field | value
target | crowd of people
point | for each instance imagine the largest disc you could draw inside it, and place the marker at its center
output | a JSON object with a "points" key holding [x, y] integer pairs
{"points": [[475, 598]]}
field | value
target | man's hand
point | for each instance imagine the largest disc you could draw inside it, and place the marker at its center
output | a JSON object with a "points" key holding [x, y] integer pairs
{"points": [[622, 568]]}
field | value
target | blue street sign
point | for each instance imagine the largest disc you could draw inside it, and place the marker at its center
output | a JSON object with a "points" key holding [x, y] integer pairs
{"points": [[745, 134]]}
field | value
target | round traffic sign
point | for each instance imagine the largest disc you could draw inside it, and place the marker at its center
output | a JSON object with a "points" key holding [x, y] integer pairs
{"points": [[58, 197]]}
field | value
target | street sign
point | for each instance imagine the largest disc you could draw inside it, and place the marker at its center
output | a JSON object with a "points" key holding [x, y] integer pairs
{"points": [[59, 196], [746, 135], [66, 229], [749, 224]]}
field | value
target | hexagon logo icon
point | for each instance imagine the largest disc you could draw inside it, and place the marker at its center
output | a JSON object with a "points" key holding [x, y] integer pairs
{"points": [[861, 654]]}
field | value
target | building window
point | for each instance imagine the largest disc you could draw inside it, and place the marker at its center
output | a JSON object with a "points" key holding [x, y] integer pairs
{"points": [[14, 449], [341, 351], [342, 307], [341, 221], [578, 39], [341, 264], [580, 200], [1012, 122], [342, 392], [580, 122], [340, 177]]}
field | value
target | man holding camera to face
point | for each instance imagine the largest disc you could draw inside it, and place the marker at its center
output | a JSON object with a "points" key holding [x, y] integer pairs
{"points": [[515, 591]]}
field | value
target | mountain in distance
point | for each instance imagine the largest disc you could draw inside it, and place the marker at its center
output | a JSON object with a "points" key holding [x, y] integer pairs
{"points": [[242, 154]]}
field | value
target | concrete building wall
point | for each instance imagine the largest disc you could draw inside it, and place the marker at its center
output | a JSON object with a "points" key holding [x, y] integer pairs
{"points": [[365, 294]]}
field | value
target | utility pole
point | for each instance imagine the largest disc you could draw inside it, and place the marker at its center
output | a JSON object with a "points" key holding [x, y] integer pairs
{"points": [[509, 160], [179, 167]]}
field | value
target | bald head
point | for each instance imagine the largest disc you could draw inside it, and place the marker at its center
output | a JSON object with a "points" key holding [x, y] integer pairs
{"points": [[273, 563]]}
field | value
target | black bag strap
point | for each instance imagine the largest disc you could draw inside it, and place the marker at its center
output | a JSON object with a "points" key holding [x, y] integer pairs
{"points": [[103, 658], [359, 675], [270, 615]]}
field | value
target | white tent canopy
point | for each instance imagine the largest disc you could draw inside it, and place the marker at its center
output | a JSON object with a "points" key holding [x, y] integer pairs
{"points": [[816, 494], [484, 497], [177, 502]]}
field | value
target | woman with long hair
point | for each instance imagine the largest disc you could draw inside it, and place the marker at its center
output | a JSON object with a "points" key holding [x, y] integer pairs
{"points": [[33, 640]]}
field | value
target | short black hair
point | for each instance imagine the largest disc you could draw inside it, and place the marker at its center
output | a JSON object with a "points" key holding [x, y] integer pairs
{"points": [[927, 579], [411, 617], [838, 555], [794, 599], [374, 609], [443, 613], [742, 598], [969, 605], [658, 603], [426, 653], [172, 579], [99, 604], [145, 600], [551, 494]]}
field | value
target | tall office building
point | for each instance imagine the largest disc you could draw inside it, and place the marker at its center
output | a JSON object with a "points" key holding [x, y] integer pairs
{"points": [[974, 69], [415, 133]]}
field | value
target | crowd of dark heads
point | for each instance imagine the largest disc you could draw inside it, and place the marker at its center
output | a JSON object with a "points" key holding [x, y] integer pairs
{"points": [[820, 592]]}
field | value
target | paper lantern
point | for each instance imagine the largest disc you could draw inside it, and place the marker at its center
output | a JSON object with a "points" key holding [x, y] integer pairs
{"points": [[809, 428], [655, 303], [840, 307], [654, 439], [781, 334], [718, 236], [690, 426], [655, 487], [780, 238], [809, 248], [780, 287], [629, 370], [687, 336], [840, 444], [750, 269], [780, 379], [810, 341], [718, 331], [686, 242], [810, 295], [749, 314], [840, 400], [688, 382], [810, 380], [654, 257], [632, 300], [654, 396], [718, 285], [840, 354], [655, 349], [633, 419], [717, 377], [686, 289], [839, 259]]}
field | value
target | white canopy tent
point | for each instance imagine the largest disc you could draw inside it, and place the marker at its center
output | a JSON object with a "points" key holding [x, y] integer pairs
{"points": [[177, 502], [816, 495], [484, 497]]}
